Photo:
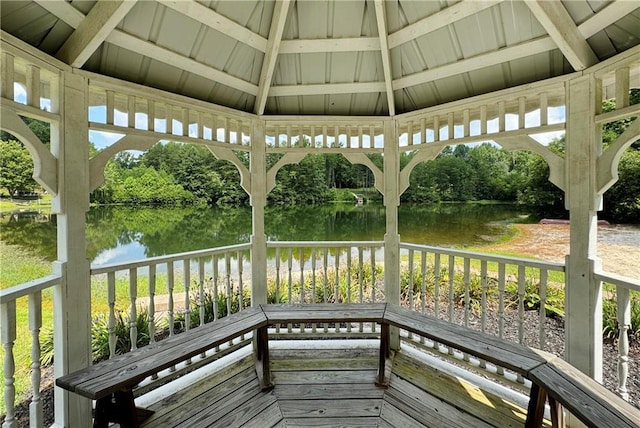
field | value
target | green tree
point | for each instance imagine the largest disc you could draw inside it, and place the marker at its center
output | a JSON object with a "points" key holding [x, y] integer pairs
{"points": [[16, 168]]}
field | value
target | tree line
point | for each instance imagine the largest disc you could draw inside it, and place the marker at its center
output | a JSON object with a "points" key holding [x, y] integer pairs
{"points": [[185, 174]]}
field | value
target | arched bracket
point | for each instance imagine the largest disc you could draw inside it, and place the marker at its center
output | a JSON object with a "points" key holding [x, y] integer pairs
{"points": [[556, 163], [229, 155], [45, 170], [361, 158], [607, 163], [424, 154], [99, 161], [288, 158]]}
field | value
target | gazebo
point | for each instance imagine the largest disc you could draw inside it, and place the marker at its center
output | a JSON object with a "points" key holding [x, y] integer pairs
{"points": [[352, 77]]}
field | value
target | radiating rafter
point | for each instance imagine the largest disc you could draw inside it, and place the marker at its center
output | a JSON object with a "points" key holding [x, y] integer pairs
{"points": [[214, 20], [591, 26], [438, 20], [93, 30], [74, 17], [384, 52], [280, 12], [558, 23]]}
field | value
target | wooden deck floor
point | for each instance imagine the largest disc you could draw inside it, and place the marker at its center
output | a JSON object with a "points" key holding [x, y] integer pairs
{"points": [[333, 387]]}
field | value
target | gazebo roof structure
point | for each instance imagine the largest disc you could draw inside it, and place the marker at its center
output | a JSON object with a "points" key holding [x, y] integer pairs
{"points": [[290, 78], [364, 58]]}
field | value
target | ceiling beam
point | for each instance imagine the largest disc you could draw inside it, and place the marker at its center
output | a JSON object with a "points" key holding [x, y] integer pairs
{"points": [[438, 20], [466, 65], [384, 52], [215, 21], [74, 18], [279, 18], [326, 89], [606, 16], [352, 44], [558, 23], [93, 30]]}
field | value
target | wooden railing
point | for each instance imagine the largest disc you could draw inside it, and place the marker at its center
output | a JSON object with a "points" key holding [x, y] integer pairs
{"points": [[623, 289], [9, 333], [482, 291]]}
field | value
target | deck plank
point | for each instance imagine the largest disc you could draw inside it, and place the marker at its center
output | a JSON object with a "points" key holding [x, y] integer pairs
{"points": [[204, 395], [459, 393], [335, 391], [245, 398], [341, 422], [324, 376], [427, 409], [269, 418], [330, 408], [395, 417]]}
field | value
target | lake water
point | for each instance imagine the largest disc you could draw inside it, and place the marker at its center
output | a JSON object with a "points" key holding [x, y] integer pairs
{"points": [[121, 234], [118, 234]]}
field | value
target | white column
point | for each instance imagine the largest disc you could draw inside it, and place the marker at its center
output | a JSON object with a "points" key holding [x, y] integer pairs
{"points": [[391, 237], [72, 298], [258, 200], [583, 294]]}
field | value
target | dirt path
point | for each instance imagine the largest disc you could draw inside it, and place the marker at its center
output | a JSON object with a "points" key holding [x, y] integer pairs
{"points": [[551, 242]]}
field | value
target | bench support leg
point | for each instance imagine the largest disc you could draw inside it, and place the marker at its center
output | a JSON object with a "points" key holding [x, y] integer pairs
{"points": [[121, 408], [535, 412], [557, 414], [384, 365], [262, 358]]}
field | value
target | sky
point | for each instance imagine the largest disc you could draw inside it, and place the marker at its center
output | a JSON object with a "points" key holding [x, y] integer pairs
{"points": [[103, 139]]}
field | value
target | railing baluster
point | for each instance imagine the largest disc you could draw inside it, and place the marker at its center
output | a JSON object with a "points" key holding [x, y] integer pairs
{"points": [[521, 292], [152, 308], [215, 286], [152, 303], [336, 291], [133, 314], [229, 287], [325, 277], [277, 292], [302, 297], [8, 338], [624, 322], [111, 323], [436, 285], [483, 302], [467, 285], [289, 271], [452, 267], [349, 282], [35, 324], [314, 326], [501, 287], [410, 286], [240, 283], [201, 278], [360, 284], [301, 262], [187, 304], [542, 318], [373, 282]]}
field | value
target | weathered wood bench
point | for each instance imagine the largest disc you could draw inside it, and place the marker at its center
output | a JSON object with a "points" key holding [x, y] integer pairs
{"points": [[111, 382], [552, 378]]}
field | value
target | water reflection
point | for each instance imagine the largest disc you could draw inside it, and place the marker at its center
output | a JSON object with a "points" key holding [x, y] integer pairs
{"points": [[119, 234]]}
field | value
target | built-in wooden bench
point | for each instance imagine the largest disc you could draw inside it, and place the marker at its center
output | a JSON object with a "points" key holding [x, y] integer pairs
{"points": [[111, 382], [552, 378]]}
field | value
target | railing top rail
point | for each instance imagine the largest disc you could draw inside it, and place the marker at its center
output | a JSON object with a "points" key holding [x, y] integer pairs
{"points": [[324, 244], [21, 290], [618, 280], [554, 266], [168, 258]]}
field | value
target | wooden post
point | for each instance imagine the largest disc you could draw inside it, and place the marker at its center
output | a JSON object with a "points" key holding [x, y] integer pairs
{"points": [[258, 199], [583, 292], [72, 297], [391, 237]]}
